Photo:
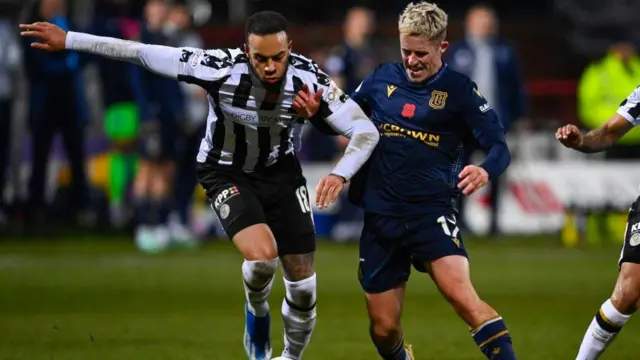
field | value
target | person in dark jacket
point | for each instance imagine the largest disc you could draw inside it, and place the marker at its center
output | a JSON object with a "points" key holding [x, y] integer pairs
{"points": [[56, 104], [153, 183]]}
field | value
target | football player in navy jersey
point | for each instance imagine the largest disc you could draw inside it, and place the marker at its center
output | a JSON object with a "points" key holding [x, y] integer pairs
{"points": [[428, 115]]}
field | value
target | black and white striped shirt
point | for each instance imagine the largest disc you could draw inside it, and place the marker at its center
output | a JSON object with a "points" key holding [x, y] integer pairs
{"points": [[248, 127], [630, 107]]}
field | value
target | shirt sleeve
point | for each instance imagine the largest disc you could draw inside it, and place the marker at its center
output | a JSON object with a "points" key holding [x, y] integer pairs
{"points": [[347, 118], [630, 107], [487, 129], [186, 64]]}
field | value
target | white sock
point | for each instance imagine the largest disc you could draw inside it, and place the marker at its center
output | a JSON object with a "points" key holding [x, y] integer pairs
{"points": [[255, 289], [299, 315], [603, 329]]}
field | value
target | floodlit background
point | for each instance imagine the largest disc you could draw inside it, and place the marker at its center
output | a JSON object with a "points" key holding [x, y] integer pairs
{"points": [[543, 241]]}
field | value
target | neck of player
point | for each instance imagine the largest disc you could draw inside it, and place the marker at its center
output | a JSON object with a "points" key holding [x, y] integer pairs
{"points": [[434, 70]]}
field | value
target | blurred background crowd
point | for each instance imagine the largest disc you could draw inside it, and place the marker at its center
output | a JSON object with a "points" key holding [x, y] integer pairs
{"points": [[69, 122]]}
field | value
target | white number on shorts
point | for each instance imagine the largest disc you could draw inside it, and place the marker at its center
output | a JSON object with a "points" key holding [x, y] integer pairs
{"points": [[442, 220], [303, 199]]}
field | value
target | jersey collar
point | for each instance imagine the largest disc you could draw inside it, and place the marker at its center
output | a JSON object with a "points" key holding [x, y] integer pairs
{"points": [[429, 80]]}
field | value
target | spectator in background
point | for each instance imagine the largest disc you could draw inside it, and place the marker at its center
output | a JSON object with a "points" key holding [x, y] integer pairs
{"points": [[347, 64], [10, 63], [602, 85], [124, 102], [180, 31], [153, 183], [56, 103], [492, 64]]}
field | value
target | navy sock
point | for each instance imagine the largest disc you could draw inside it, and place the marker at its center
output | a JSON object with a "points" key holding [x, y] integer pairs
{"points": [[494, 341], [160, 210], [142, 210], [397, 353]]}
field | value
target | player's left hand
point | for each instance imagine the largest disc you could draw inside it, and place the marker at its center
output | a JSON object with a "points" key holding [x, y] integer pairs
{"points": [[307, 104], [472, 178], [53, 37], [328, 190]]}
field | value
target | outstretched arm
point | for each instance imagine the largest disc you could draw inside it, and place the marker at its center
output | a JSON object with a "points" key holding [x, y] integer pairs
{"points": [[595, 140], [162, 60], [626, 117]]}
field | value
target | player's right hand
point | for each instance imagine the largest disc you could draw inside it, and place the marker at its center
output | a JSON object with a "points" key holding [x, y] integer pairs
{"points": [[53, 38], [570, 136], [328, 190], [306, 104]]}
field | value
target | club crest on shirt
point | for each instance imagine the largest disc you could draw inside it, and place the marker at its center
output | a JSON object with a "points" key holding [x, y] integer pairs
{"points": [[438, 99]]}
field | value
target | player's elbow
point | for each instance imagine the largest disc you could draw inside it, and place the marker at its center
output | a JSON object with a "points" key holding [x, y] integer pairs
{"points": [[366, 134], [371, 131], [498, 159], [507, 155], [504, 154]]}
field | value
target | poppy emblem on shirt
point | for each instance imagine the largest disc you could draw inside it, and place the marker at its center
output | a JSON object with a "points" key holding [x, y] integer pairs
{"points": [[409, 110]]}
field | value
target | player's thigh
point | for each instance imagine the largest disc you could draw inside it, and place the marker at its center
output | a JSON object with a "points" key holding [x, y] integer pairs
{"points": [[383, 263], [433, 237], [452, 278], [290, 217], [436, 247], [239, 211], [630, 252], [626, 293]]}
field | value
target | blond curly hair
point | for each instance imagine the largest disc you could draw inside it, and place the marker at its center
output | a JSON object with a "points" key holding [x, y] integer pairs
{"points": [[424, 19]]}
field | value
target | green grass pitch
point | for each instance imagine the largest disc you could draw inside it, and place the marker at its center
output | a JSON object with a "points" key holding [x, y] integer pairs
{"points": [[101, 299]]}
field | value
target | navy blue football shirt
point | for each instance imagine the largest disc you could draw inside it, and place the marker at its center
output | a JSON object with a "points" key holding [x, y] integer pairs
{"points": [[424, 130]]}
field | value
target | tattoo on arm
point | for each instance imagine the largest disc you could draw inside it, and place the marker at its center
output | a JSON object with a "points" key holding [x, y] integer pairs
{"points": [[596, 140], [606, 135], [297, 267]]}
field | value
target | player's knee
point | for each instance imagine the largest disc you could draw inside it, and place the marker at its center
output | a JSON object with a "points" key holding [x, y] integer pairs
{"points": [[256, 273], [301, 294], [256, 242], [626, 300], [262, 252], [384, 329], [626, 296]]}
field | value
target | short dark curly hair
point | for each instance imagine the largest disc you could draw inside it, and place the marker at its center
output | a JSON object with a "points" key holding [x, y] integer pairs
{"points": [[265, 23]]}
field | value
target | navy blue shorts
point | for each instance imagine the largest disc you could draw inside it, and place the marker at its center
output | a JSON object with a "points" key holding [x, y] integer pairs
{"points": [[390, 245]]}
